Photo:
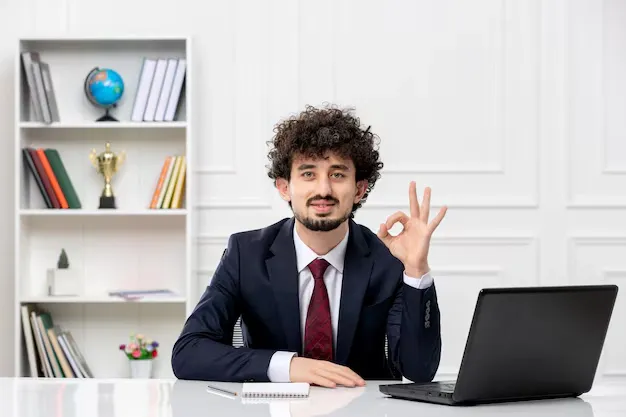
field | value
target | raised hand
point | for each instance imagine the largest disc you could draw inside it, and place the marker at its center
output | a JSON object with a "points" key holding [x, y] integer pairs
{"points": [[411, 245]]}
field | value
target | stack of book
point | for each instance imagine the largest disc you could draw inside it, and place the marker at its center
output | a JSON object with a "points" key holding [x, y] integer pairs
{"points": [[51, 177], [52, 351], [170, 188], [40, 89], [159, 89]]}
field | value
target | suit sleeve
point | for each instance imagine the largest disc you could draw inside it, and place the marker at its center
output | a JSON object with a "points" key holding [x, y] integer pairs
{"points": [[204, 348], [414, 333]]}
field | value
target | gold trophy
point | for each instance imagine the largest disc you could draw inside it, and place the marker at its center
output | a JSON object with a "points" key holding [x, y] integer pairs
{"points": [[107, 163]]}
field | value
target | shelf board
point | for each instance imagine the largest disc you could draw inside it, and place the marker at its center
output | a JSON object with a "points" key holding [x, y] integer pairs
{"points": [[102, 212], [104, 125], [100, 300], [109, 38]]}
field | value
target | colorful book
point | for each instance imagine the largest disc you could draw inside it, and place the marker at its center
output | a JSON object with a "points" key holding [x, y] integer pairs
{"points": [[63, 178]]}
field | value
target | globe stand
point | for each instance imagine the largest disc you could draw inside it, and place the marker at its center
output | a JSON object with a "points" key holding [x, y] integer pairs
{"points": [[107, 117]]}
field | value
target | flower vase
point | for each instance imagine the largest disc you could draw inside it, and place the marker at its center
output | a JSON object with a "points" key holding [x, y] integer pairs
{"points": [[141, 368]]}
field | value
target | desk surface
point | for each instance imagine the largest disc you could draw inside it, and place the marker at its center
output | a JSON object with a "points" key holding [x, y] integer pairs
{"points": [[25, 397]]}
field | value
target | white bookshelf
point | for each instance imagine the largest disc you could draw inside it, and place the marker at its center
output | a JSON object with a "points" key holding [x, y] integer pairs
{"points": [[130, 247]]}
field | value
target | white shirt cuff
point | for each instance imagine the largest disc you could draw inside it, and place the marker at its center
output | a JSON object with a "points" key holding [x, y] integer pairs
{"points": [[278, 370], [420, 283]]}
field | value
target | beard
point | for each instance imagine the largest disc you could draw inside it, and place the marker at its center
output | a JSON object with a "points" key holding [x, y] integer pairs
{"points": [[317, 224]]}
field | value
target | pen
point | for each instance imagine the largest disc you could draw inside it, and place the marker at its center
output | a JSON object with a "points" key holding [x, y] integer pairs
{"points": [[221, 391]]}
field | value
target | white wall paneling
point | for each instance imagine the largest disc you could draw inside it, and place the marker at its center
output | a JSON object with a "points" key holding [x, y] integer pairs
{"points": [[510, 110], [461, 106], [600, 259], [596, 62]]}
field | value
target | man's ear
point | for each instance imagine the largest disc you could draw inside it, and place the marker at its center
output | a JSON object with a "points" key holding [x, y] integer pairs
{"points": [[361, 188], [282, 185]]}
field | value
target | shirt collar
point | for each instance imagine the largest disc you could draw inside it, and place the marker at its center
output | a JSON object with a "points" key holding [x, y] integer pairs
{"points": [[305, 255]]}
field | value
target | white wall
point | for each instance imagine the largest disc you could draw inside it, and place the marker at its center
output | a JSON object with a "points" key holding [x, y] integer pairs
{"points": [[511, 111]]}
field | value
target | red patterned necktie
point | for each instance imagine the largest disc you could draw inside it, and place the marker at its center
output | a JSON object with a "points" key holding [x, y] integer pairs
{"points": [[318, 333]]}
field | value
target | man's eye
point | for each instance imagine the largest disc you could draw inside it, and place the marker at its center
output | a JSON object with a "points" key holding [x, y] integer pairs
{"points": [[338, 175], [307, 174]]}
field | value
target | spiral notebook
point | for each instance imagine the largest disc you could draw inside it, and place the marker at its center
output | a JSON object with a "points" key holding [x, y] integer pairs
{"points": [[275, 390]]}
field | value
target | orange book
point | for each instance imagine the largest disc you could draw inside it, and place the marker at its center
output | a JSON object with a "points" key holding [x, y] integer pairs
{"points": [[157, 191], [53, 179]]}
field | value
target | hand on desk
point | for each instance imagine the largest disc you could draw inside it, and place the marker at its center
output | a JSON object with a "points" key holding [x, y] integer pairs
{"points": [[323, 373]]}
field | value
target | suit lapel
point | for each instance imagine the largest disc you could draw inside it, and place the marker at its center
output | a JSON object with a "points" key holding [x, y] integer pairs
{"points": [[283, 275], [356, 276]]}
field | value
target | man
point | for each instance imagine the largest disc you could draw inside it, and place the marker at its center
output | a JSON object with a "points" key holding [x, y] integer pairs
{"points": [[317, 293]]}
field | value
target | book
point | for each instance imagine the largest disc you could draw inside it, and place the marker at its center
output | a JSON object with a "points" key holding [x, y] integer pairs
{"points": [[275, 390]]}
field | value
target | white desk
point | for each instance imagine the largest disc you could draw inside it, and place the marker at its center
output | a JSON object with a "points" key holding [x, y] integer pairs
{"points": [[26, 397]]}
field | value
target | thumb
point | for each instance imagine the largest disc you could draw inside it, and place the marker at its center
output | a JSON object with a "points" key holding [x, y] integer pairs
{"points": [[383, 234]]}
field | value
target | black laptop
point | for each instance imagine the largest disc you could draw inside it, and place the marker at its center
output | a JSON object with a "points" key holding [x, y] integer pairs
{"points": [[525, 344]]}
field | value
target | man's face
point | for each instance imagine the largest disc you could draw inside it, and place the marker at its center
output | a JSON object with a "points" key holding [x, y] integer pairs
{"points": [[322, 191]]}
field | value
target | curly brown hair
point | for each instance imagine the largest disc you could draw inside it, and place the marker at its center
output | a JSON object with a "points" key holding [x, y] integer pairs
{"points": [[316, 131]]}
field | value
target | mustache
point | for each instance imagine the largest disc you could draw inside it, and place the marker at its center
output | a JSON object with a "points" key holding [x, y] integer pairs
{"points": [[319, 197]]}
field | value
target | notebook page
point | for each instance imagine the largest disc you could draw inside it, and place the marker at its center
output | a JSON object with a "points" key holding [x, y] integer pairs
{"points": [[275, 389]]}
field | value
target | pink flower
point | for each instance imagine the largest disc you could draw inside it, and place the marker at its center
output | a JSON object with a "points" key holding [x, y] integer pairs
{"points": [[136, 354]]}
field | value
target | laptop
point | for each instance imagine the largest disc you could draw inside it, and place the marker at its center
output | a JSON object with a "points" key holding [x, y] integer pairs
{"points": [[525, 344]]}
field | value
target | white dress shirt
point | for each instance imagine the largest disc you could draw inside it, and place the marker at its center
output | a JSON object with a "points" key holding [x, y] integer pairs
{"points": [[278, 370]]}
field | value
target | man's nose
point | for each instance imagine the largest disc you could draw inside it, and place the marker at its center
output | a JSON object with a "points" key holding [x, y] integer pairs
{"points": [[324, 187]]}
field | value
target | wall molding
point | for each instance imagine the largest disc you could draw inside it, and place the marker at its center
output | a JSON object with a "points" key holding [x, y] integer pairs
{"points": [[614, 373], [581, 200], [597, 240], [513, 202], [216, 169], [483, 240], [208, 239], [621, 170], [592, 202], [470, 270], [603, 274], [255, 203], [446, 169]]}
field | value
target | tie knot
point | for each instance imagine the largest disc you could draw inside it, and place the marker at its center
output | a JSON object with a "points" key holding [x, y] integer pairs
{"points": [[318, 267]]}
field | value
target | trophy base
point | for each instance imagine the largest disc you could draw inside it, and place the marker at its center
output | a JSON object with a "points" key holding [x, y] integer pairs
{"points": [[107, 202]]}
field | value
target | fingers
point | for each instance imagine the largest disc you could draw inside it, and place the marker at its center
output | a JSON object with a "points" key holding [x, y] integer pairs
{"points": [[383, 234], [413, 203], [336, 377], [398, 216], [438, 218], [324, 373], [425, 210], [322, 381], [341, 374], [350, 374]]}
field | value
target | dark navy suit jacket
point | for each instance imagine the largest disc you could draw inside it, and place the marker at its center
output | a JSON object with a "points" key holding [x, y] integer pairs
{"points": [[257, 279]]}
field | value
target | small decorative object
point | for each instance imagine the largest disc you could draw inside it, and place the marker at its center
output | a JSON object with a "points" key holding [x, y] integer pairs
{"points": [[107, 163], [140, 352], [63, 280], [104, 88]]}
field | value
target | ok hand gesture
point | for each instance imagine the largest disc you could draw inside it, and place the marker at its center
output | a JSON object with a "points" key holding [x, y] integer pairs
{"points": [[411, 245]]}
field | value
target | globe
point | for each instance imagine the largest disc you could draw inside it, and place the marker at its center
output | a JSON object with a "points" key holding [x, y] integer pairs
{"points": [[104, 88]]}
